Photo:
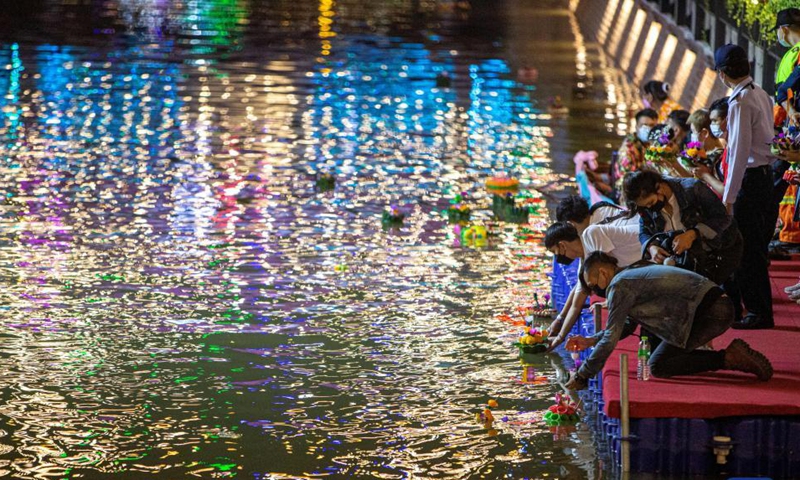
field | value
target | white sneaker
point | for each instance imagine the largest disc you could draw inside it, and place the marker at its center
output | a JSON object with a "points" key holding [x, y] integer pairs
{"points": [[792, 288]]}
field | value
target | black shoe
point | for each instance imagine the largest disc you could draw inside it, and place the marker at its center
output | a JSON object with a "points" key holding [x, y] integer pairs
{"points": [[779, 253], [753, 322]]}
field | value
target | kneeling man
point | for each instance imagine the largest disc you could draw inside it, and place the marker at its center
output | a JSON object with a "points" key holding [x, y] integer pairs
{"points": [[682, 308]]}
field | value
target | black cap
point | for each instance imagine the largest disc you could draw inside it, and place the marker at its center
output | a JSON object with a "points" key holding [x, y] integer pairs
{"points": [[728, 55], [787, 16]]}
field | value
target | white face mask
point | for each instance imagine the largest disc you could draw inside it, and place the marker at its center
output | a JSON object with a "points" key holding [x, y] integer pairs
{"points": [[722, 80], [716, 130], [695, 137], [643, 133]]}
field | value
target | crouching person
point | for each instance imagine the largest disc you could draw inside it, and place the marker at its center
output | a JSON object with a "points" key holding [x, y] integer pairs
{"points": [[682, 308]]}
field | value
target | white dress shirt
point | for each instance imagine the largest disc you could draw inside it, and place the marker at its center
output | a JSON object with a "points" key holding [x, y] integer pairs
{"points": [[750, 131]]}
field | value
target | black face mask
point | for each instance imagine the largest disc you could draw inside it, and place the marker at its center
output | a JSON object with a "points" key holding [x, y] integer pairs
{"points": [[600, 292], [564, 260], [658, 206]]}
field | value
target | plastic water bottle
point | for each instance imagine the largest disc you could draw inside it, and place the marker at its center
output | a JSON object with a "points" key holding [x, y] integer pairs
{"points": [[643, 368]]}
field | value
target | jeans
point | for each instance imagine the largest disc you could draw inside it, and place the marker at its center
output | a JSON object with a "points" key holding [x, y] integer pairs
{"points": [[713, 317], [753, 212]]}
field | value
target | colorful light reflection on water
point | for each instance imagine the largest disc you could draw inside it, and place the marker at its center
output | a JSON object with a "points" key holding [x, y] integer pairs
{"points": [[179, 299]]}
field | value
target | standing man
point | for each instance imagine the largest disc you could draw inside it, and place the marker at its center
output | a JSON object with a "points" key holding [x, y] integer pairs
{"points": [[749, 186]]}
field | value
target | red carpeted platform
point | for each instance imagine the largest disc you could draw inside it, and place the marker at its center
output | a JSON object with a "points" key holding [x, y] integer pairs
{"points": [[722, 393]]}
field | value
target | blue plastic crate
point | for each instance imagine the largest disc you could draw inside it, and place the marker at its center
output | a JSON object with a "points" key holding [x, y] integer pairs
{"points": [[766, 446]]}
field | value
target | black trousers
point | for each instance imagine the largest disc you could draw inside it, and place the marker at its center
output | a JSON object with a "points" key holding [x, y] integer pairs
{"points": [[753, 211], [723, 262], [713, 317]]}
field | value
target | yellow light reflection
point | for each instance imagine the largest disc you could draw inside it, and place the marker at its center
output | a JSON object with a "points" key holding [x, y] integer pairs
{"points": [[647, 51], [325, 21], [703, 97], [608, 17], [684, 72], [667, 55], [620, 25], [630, 45]]}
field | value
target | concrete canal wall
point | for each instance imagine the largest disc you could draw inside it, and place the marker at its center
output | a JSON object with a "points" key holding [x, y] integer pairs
{"points": [[646, 44]]}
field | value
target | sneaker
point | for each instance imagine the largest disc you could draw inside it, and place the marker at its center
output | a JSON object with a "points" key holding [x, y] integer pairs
{"points": [[753, 322], [792, 288], [739, 356]]}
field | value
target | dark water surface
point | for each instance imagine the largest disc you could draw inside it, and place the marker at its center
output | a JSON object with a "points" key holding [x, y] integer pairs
{"points": [[180, 302]]}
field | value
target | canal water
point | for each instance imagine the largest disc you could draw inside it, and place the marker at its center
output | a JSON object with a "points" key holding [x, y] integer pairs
{"points": [[180, 299]]}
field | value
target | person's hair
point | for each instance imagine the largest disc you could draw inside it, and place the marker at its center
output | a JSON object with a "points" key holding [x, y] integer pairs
{"points": [[559, 232], [699, 119], [639, 184], [719, 105], [595, 258], [659, 90], [573, 209], [680, 118], [659, 131], [647, 112], [736, 68]]}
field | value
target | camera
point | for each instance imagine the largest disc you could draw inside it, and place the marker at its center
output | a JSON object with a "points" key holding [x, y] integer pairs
{"points": [[685, 260]]}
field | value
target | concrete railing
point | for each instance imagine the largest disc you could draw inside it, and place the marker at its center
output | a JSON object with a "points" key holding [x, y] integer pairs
{"points": [[646, 44]]}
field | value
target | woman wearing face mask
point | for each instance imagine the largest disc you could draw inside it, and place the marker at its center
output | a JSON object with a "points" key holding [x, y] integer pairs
{"points": [[655, 95], [709, 134], [631, 154], [678, 122], [689, 206]]}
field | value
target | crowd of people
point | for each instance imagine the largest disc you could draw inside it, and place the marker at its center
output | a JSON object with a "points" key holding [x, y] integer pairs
{"points": [[683, 253]]}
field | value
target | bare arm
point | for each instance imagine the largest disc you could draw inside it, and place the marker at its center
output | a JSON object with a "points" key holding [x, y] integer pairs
{"points": [[571, 316], [701, 172]]}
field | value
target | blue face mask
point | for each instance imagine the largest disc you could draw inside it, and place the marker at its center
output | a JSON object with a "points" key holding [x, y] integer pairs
{"points": [[643, 133], [716, 130], [782, 40]]}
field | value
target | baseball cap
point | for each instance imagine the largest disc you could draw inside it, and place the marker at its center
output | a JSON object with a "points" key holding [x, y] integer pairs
{"points": [[787, 16], [728, 55]]}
